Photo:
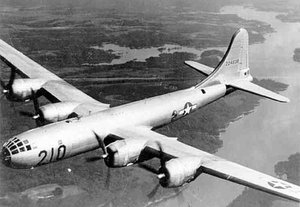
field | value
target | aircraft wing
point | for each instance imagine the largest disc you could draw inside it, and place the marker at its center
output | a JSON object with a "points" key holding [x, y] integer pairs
{"points": [[56, 88], [214, 165]]}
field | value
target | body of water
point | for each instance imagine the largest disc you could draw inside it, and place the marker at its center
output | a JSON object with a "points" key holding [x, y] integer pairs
{"points": [[268, 135], [127, 54]]}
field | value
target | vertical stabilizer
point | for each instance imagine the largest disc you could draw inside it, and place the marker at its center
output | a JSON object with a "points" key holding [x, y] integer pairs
{"points": [[235, 63], [234, 72]]}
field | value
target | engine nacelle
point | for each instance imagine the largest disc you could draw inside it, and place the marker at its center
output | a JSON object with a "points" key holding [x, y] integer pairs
{"points": [[179, 171], [22, 88], [58, 111], [122, 153]]}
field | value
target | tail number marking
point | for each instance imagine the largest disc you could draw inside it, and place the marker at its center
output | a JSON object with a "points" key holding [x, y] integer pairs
{"points": [[232, 62]]}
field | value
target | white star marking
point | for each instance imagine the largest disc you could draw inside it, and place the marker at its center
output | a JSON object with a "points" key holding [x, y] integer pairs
{"points": [[278, 185]]}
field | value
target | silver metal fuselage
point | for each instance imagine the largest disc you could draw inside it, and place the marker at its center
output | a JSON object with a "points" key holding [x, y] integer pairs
{"points": [[71, 137]]}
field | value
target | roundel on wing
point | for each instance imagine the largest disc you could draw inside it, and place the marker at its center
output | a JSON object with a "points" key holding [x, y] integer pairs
{"points": [[278, 185]]}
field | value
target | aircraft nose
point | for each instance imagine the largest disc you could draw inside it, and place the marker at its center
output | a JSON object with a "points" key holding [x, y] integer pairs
{"points": [[5, 156]]}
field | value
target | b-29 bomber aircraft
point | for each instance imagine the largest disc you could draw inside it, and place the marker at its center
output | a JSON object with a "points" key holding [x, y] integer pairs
{"points": [[125, 134]]}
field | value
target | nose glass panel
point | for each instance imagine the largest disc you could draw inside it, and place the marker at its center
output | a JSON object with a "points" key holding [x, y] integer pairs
{"points": [[15, 145], [6, 157]]}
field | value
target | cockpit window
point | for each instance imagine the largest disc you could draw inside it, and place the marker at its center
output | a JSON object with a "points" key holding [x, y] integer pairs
{"points": [[13, 147], [9, 144]]}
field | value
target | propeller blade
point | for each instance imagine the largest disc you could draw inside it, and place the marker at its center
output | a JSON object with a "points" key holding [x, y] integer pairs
{"points": [[3, 84], [161, 155], [38, 116], [153, 192], [102, 146], [148, 168], [36, 104], [7, 88], [161, 171], [161, 175], [1, 96], [11, 78], [26, 113], [93, 159]]}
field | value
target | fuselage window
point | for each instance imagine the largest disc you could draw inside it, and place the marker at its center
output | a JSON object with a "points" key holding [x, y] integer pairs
{"points": [[203, 91], [28, 147], [15, 152]]}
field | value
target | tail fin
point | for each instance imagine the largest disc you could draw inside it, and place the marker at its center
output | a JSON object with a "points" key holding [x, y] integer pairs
{"points": [[233, 70], [235, 64]]}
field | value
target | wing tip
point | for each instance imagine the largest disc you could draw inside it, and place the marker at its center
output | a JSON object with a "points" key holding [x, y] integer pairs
{"points": [[285, 99]]}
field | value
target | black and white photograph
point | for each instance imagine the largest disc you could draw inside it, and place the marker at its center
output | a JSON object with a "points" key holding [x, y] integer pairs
{"points": [[150, 103]]}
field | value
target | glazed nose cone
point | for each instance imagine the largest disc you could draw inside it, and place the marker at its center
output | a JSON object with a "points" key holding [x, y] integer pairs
{"points": [[5, 157]]}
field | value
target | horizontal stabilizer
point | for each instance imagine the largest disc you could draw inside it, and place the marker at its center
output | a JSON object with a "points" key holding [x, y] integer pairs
{"points": [[199, 67], [258, 90]]}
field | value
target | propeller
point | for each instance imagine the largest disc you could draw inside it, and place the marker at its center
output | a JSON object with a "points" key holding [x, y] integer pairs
{"points": [[155, 171], [153, 192], [162, 159], [102, 146], [161, 171], [1, 96], [103, 156], [37, 115], [148, 168], [7, 88]]}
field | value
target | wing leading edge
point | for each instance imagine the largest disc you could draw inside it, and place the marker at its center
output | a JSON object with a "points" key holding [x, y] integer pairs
{"points": [[214, 165], [55, 86]]}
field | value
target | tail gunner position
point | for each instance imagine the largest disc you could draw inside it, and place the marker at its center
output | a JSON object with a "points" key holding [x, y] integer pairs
{"points": [[125, 133]]}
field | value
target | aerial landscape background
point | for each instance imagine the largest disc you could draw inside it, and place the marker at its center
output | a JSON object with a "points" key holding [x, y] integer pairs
{"points": [[122, 51]]}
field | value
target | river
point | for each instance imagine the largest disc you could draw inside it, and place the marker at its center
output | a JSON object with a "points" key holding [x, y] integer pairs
{"points": [[268, 135], [126, 54]]}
